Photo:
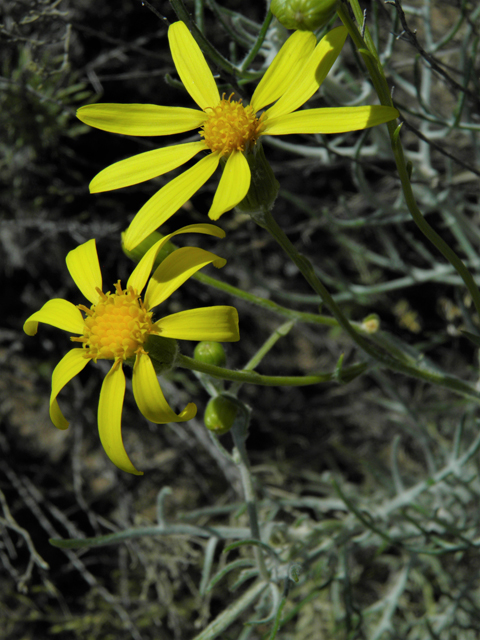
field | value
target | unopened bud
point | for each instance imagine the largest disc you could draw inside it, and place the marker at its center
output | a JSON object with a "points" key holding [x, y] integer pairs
{"points": [[210, 353], [220, 414], [305, 15]]}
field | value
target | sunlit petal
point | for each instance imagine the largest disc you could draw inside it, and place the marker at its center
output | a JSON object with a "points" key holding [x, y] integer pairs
{"points": [[139, 277], [140, 119], [149, 396], [210, 323], [69, 366], [145, 166], [312, 75], [192, 66], [110, 419], [84, 268], [233, 185], [175, 270], [284, 70], [58, 313], [331, 120], [169, 200]]}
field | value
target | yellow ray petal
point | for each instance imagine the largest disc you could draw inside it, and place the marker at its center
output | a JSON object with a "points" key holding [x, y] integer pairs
{"points": [[145, 166], [285, 69], [331, 120], [233, 185], [84, 268], [139, 276], [140, 119], [168, 200], [110, 419], [149, 396], [210, 323], [58, 313], [69, 366], [192, 66], [175, 270], [312, 75]]}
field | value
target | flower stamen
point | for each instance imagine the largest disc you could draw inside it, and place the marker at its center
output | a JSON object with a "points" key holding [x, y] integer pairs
{"points": [[231, 127], [116, 327]]}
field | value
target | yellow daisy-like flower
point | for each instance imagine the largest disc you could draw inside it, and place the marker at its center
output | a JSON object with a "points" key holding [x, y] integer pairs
{"points": [[118, 326], [228, 129]]}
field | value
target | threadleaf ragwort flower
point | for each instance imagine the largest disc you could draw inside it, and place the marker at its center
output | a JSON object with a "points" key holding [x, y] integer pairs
{"points": [[228, 129], [119, 326]]}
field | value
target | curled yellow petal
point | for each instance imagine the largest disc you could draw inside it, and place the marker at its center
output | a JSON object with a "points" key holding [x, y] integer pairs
{"points": [[312, 75], [219, 324], [145, 166], [69, 366], [110, 419], [284, 69], [84, 268], [139, 276], [149, 396], [140, 119], [169, 200], [175, 270], [192, 67], [331, 120], [57, 313], [233, 185]]}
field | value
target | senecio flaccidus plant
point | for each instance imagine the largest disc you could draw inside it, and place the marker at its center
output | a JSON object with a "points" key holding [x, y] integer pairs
{"points": [[120, 326], [229, 130]]}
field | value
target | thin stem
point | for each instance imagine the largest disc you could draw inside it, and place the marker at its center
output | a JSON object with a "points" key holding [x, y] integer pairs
{"points": [[252, 377], [258, 43]]}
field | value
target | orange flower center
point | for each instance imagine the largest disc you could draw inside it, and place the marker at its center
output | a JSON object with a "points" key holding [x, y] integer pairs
{"points": [[231, 127], [116, 327]]}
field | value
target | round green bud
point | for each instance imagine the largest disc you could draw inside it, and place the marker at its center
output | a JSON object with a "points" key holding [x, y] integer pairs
{"points": [[210, 353], [220, 414], [305, 15]]}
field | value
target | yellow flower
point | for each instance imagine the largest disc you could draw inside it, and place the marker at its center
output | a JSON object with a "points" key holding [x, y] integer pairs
{"points": [[118, 327], [228, 129]]}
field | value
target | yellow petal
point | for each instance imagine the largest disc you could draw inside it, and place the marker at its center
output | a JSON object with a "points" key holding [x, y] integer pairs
{"points": [[145, 166], [331, 120], [84, 268], [110, 419], [140, 274], [192, 66], [169, 200], [149, 396], [233, 185], [58, 313], [175, 270], [69, 366], [210, 323], [284, 70], [312, 75], [140, 119]]}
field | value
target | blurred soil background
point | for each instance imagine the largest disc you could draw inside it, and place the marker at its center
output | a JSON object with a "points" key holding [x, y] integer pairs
{"points": [[344, 214]]}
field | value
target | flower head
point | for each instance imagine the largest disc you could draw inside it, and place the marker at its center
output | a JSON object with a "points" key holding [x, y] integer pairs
{"points": [[227, 128], [120, 326]]}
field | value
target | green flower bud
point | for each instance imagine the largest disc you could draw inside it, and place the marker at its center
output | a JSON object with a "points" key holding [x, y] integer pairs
{"points": [[162, 351], [210, 353], [220, 414], [305, 15], [263, 185], [140, 250]]}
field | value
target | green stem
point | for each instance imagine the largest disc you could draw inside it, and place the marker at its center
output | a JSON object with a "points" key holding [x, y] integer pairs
{"points": [[252, 377], [258, 43], [266, 221], [370, 56]]}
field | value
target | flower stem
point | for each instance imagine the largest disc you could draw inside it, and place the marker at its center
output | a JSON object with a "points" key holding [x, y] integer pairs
{"points": [[369, 54]]}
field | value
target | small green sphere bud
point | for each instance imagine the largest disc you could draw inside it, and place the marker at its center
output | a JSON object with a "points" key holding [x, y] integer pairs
{"points": [[305, 15], [210, 353], [220, 415]]}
